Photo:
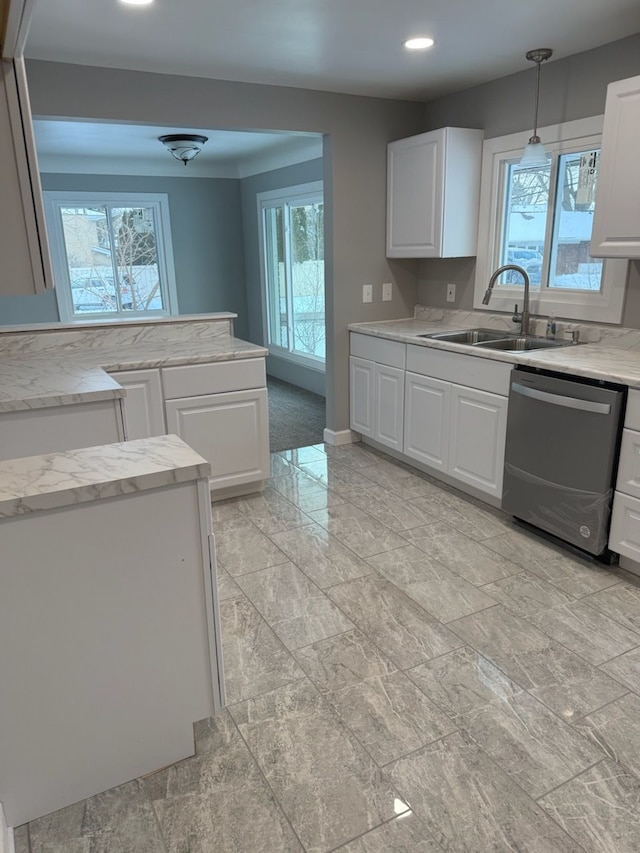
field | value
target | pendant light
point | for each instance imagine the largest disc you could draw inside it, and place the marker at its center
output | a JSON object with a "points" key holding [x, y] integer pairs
{"points": [[183, 146], [534, 153]]}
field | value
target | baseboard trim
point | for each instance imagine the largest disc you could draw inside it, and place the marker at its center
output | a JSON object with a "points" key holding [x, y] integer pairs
{"points": [[629, 565], [6, 834], [341, 436]]}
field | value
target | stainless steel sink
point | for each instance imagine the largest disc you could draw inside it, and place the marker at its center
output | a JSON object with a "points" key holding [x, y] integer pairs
{"points": [[522, 343], [468, 336], [495, 339]]}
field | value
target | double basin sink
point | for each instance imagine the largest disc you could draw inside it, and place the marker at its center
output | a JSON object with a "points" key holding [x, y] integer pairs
{"points": [[493, 339]]}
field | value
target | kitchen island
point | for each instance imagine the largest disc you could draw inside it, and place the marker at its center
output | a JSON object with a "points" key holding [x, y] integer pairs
{"points": [[109, 630]]}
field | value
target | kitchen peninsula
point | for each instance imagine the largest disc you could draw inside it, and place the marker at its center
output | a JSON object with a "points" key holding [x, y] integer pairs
{"points": [[63, 387]]}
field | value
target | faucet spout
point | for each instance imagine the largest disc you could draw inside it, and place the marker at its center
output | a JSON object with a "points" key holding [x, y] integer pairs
{"points": [[525, 315]]}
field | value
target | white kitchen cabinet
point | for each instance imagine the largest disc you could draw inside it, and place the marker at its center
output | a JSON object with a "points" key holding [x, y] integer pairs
{"points": [[362, 379], [616, 222], [143, 407], [30, 432], [231, 431], [478, 431], [389, 406], [426, 420], [433, 193], [26, 264]]}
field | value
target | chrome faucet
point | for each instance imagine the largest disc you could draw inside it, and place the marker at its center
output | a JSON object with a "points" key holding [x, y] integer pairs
{"points": [[522, 317]]}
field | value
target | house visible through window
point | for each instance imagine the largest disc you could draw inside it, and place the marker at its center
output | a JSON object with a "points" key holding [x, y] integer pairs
{"points": [[292, 244], [540, 218], [111, 254]]}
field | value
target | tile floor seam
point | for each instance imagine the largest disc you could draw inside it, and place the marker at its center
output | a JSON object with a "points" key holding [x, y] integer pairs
{"points": [[604, 613], [278, 641], [573, 778], [264, 778], [362, 834], [581, 720], [419, 749], [616, 657], [154, 812]]}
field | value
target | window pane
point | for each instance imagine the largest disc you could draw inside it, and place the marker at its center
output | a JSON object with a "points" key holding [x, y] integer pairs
{"points": [[88, 251], [307, 273], [525, 221], [571, 264], [275, 273], [136, 258]]}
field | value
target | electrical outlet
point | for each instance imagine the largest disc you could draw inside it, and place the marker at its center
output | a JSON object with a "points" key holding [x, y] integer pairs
{"points": [[367, 293], [387, 291], [451, 293]]}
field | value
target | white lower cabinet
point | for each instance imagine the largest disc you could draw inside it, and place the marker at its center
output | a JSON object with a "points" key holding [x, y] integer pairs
{"points": [[478, 430], [230, 430], [624, 536], [361, 375], [426, 420], [143, 407], [389, 406]]}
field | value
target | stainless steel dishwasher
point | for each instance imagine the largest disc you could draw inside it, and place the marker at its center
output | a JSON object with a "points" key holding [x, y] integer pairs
{"points": [[563, 436]]}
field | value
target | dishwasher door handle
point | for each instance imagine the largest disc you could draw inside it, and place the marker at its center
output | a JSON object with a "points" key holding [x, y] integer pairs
{"points": [[558, 400]]}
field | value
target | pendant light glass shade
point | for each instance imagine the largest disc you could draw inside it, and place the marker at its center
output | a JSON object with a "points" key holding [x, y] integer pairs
{"points": [[534, 153]]}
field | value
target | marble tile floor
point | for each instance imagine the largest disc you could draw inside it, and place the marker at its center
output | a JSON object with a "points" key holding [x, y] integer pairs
{"points": [[406, 671]]}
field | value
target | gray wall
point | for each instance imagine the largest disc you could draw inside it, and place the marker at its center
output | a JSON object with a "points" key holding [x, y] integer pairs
{"points": [[301, 173], [356, 132], [206, 229], [570, 88]]}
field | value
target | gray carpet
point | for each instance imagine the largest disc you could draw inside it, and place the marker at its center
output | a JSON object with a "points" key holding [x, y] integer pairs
{"points": [[297, 417]]}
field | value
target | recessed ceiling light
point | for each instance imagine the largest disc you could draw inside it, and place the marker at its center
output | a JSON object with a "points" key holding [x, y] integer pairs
{"points": [[418, 43], [137, 2]]}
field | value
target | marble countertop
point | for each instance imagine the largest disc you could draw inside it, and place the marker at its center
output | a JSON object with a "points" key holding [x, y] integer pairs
{"points": [[79, 376], [613, 364], [54, 480], [40, 383]]}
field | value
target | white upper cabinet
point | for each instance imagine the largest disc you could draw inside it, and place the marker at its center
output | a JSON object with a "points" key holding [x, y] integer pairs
{"points": [[26, 266], [616, 224], [433, 192]]}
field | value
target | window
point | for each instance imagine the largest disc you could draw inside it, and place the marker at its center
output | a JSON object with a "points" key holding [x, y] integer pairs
{"points": [[540, 218], [111, 255], [292, 268]]}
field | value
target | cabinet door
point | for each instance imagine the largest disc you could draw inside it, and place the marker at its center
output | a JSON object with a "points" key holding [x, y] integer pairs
{"points": [[230, 430], [143, 407], [414, 196], [26, 265], [389, 406], [426, 420], [624, 535], [616, 223], [361, 395], [478, 429]]}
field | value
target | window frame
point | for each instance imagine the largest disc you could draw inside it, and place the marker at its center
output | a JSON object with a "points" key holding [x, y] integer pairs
{"points": [[55, 199], [296, 194], [603, 306]]}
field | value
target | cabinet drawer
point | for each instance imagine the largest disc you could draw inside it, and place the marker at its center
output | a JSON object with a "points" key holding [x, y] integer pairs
{"points": [[632, 417], [624, 536], [195, 380], [392, 353], [629, 467], [481, 373]]}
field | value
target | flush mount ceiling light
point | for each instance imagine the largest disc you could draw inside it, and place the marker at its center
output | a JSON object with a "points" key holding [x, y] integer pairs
{"points": [[534, 153], [183, 146], [137, 2], [421, 43]]}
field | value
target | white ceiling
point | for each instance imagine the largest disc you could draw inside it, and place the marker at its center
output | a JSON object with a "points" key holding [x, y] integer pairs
{"points": [[352, 46], [123, 149]]}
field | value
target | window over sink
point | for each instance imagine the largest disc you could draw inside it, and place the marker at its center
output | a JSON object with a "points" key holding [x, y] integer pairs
{"points": [[540, 218], [111, 254]]}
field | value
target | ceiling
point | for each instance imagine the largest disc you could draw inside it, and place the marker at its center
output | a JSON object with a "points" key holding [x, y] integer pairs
{"points": [[80, 147], [353, 47]]}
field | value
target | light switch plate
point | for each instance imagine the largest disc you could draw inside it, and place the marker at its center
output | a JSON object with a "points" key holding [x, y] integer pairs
{"points": [[367, 293], [387, 291], [451, 293]]}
